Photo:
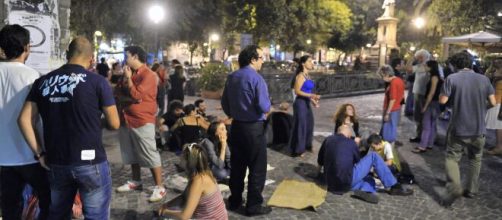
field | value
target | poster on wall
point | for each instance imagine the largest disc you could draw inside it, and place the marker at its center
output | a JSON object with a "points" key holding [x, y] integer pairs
{"points": [[42, 21]]}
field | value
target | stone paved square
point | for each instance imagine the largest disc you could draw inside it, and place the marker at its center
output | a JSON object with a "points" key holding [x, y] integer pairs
{"points": [[428, 169]]}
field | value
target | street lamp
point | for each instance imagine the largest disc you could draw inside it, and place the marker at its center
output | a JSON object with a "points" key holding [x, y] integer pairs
{"points": [[499, 14], [212, 38], [309, 41], [419, 22], [96, 44], [156, 14]]}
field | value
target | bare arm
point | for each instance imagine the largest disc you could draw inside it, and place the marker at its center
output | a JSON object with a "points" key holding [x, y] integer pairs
{"points": [[194, 195], [112, 117], [434, 83], [298, 87], [492, 100], [26, 122]]}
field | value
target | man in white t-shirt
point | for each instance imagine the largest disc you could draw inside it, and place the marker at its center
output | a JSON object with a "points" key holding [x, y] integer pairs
{"points": [[422, 77], [19, 165]]}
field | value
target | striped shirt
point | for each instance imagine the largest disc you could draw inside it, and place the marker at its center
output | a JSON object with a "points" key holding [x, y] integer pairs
{"points": [[211, 207]]}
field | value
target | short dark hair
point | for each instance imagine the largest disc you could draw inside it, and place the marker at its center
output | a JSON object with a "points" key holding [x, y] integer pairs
{"points": [[137, 50], [13, 40], [175, 104], [188, 108], [461, 60], [102, 59], [374, 139], [197, 102], [249, 53]]}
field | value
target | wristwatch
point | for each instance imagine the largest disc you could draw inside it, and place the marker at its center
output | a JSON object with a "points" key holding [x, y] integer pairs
{"points": [[38, 156]]}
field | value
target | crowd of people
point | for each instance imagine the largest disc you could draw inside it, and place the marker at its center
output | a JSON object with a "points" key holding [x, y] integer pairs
{"points": [[55, 146]]}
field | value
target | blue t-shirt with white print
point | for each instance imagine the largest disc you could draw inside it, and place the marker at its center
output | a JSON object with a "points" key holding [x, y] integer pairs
{"points": [[70, 101]]}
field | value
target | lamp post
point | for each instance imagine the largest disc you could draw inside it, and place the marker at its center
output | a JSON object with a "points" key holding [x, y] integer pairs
{"points": [[419, 23], [214, 37], [96, 43], [156, 14]]}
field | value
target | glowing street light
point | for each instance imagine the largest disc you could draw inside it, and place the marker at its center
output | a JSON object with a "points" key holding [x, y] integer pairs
{"points": [[215, 37], [156, 14], [98, 33], [368, 45], [309, 41], [499, 14], [419, 22], [413, 48], [277, 47]]}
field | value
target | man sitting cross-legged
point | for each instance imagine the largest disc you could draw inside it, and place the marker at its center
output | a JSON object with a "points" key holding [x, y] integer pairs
{"points": [[345, 170]]}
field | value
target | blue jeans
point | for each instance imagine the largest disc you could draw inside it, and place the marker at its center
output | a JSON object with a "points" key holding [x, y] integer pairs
{"points": [[389, 128], [362, 181], [94, 183]]}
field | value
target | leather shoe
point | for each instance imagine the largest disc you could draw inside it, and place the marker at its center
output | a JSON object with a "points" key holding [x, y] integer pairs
{"points": [[468, 194], [261, 210], [415, 140], [398, 190], [232, 206], [365, 196]]}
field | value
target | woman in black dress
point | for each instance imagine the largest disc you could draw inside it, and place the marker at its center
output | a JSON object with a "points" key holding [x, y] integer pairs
{"points": [[177, 84]]}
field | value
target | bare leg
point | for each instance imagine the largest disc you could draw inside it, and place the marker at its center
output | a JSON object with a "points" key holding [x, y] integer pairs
{"points": [[157, 175], [498, 144]]}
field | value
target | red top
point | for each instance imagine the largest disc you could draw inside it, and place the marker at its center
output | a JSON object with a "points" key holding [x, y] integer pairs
{"points": [[394, 91], [144, 93]]}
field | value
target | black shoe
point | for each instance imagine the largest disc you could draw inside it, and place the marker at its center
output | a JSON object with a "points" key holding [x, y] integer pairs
{"points": [[398, 190], [415, 140], [366, 196], [447, 200], [468, 194], [232, 206], [261, 210], [399, 144]]}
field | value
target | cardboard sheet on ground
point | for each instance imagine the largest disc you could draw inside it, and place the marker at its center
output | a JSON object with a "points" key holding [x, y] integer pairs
{"points": [[297, 195]]}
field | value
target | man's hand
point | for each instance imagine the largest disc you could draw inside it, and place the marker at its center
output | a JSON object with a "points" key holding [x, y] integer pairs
{"points": [[127, 71], [386, 117], [42, 162]]}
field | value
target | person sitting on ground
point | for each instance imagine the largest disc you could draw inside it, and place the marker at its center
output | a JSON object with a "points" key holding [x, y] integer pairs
{"points": [[175, 112], [200, 107], [202, 198], [282, 123], [217, 150], [344, 115], [386, 151], [345, 170], [167, 121], [191, 128]]}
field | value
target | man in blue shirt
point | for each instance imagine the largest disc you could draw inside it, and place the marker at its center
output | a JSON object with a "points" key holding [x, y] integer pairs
{"points": [[246, 100], [345, 170], [70, 101]]}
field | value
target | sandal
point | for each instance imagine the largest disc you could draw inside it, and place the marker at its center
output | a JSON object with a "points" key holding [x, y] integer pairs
{"points": [[419, 150]]}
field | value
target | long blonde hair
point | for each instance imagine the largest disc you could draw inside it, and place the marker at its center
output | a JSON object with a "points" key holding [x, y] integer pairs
{"points": [[196, 161]]}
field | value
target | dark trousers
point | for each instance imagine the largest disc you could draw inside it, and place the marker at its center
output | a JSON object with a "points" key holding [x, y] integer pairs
{"points": [[249, 150], [14, 179]]}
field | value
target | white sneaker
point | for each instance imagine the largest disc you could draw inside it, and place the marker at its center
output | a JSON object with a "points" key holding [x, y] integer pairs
{"points": [[130, 186], [158, 194]]}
